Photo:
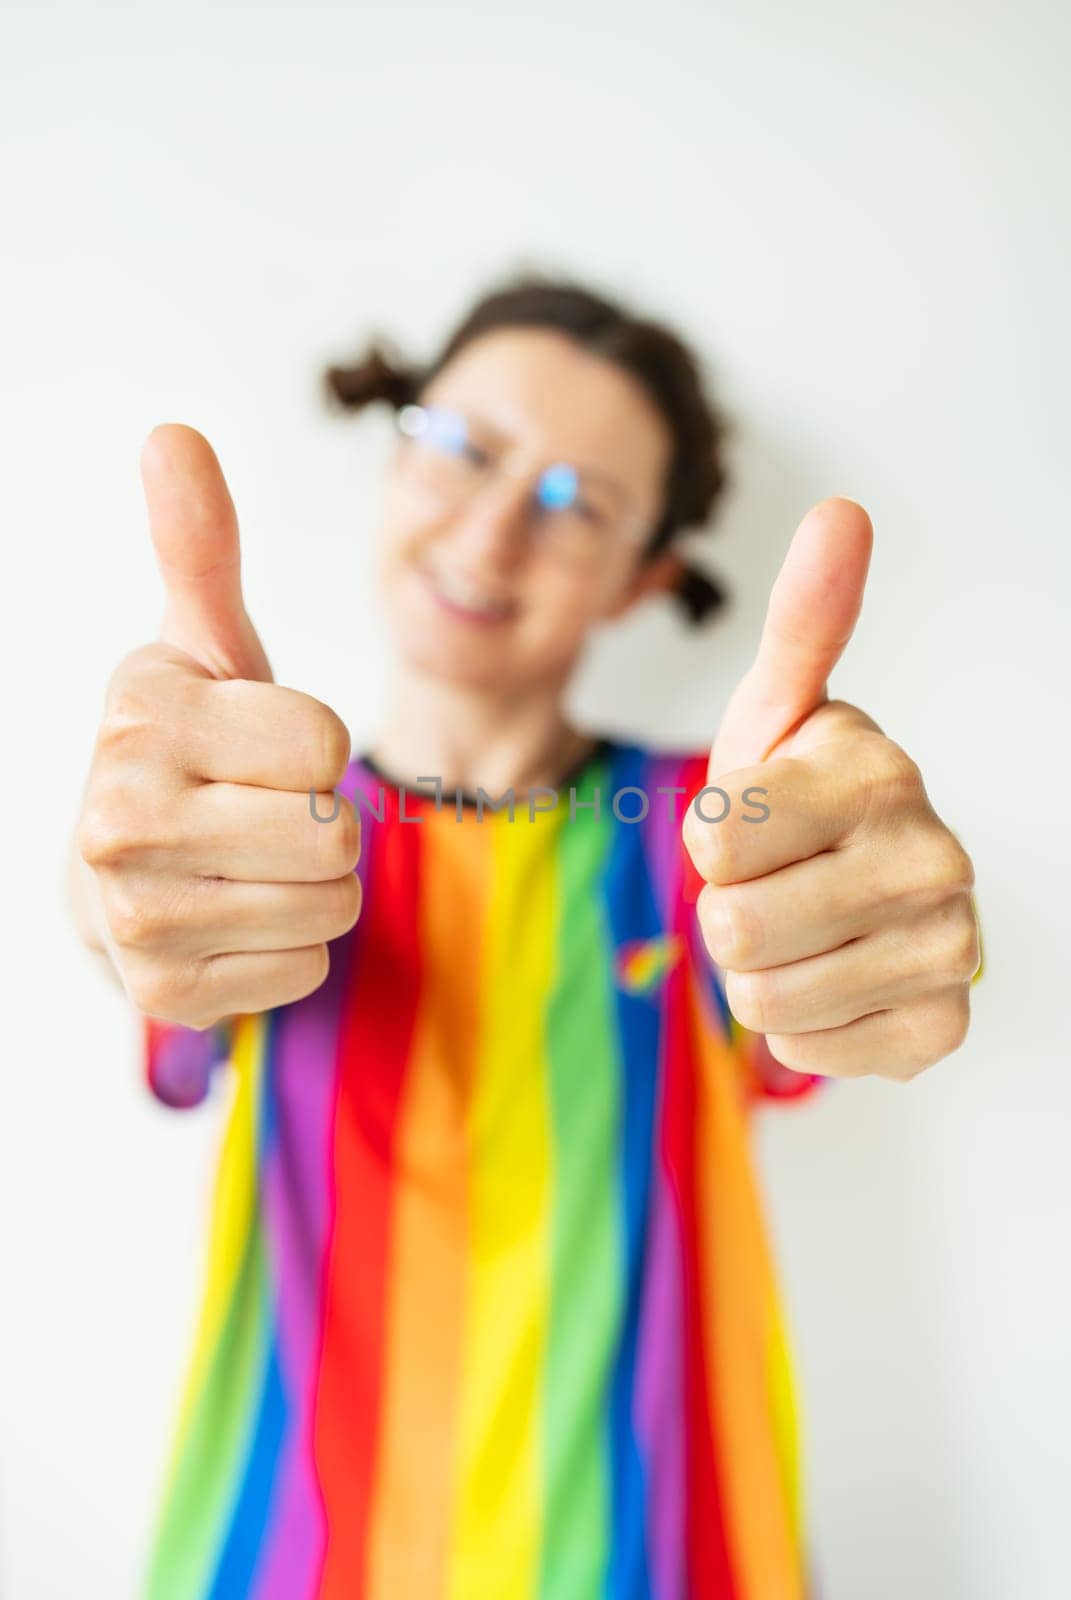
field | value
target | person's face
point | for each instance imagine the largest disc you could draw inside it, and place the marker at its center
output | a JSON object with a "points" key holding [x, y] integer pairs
{"points": [[482, 587]]}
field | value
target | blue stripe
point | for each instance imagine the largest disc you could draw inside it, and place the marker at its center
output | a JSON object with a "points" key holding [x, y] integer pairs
{"points": [[246, 1538], [632, 911]]}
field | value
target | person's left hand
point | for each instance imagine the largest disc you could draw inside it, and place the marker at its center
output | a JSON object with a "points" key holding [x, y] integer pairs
{"points": [[843, 921]]}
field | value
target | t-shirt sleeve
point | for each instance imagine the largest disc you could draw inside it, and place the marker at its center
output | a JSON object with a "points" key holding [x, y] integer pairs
{"points": [[764, 1079], [763, 1076], [180, 1063]]}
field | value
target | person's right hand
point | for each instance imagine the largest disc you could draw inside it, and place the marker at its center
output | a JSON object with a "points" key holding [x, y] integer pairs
{"points": [[218, 888]]}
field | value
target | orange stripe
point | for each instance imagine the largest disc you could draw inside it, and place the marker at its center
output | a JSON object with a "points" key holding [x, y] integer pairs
{"points": [[410, 1533]]}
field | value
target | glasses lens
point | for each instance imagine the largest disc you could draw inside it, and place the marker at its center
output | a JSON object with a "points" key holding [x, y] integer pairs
{"points": [[435, 428], [572, 522], [568, 517], [558, 487], [442, 457]]}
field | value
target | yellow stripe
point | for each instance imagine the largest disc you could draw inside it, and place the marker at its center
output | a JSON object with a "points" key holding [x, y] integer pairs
{"points": [[499, 1511], [784, 1403]]}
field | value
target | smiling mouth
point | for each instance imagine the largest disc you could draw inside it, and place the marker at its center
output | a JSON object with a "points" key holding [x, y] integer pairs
{"points": [[462, 598]]}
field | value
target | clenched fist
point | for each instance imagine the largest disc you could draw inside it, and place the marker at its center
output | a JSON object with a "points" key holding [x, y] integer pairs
{"points": [[217, 891], [845, 922]]}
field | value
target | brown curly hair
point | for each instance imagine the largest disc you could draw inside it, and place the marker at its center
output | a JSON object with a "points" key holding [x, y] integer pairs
{"points": [[648, 350]]}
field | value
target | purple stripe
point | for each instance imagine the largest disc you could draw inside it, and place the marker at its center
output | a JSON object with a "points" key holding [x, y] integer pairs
{"points": [[659, 1397], [297, 1194], [662, 831]]}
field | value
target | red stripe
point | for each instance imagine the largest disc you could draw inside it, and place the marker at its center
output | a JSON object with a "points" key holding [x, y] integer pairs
{"points": [[374, 1046], [710, 1574]]}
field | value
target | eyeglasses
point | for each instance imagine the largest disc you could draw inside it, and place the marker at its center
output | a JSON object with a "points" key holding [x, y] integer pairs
{"points": [[571, 511]]}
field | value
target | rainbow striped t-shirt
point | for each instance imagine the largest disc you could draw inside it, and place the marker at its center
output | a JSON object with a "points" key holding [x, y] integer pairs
{"points": [[490, 1310]]}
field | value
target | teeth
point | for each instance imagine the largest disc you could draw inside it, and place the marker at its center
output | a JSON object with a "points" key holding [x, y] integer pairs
{"points": [[460, 592]]}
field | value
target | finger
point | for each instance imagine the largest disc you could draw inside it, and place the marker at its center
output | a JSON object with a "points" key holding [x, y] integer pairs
{"points": [[930, 951], [273, 916], [212, 916], [233, 984], [776, 813], [231, 731], [262, 734], [897, 1043], [254, 981], [814, 605], [255, 835], [799, 911], [195, 535]]}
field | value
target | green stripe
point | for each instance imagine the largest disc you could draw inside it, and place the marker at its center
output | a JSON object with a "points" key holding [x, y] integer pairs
{"points": [[585, 1289], [209, 1469]]}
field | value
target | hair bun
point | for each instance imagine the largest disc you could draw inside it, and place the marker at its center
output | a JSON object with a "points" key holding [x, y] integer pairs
{"points": [[699, 594], [377, 375]]}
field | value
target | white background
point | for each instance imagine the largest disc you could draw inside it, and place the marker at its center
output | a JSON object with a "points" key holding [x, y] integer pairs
{"points": [[859, 214]]}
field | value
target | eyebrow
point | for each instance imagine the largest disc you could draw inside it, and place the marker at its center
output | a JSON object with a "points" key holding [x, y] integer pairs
{"points": [[613, 484]]}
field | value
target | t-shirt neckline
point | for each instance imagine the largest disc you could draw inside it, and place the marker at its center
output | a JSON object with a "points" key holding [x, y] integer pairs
{"points": [[602, 745]]}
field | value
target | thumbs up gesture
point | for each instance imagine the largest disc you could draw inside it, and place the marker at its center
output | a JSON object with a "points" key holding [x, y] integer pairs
{"points": [[218, 889], [843, 920]]}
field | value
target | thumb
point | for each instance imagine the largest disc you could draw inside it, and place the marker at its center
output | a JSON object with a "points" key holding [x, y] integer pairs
{"points": [[195, 535], [814, 606]]}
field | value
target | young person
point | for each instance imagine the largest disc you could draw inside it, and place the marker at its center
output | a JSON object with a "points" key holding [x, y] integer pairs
{"points": [[490, 1308]]}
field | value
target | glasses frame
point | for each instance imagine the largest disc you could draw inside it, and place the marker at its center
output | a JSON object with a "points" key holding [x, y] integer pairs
{"points": [[411, 422]]}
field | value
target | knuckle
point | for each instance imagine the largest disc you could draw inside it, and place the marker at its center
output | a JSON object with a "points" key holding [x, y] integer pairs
{"points": [[944, 869], [133, 918], [117, 826], [955, 867], [899, 770], [143, 661], [111, 828], [939, 1030], [130, 671], [933, 867], [101, 837], [130, 714], [960, 952], [956, 1021], [893, 781], [146, 698], [166, 990]]}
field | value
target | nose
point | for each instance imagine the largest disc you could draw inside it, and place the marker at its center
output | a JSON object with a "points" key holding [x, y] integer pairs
{"points": [[491, 529]]}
